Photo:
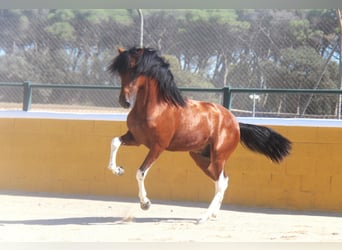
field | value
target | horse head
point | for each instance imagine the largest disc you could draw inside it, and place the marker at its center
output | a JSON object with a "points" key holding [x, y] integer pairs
{"points": [[135, 62], [125, 65]]}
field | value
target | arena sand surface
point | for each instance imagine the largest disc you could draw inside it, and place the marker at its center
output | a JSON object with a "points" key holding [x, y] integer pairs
{"points": [[27, 217]]}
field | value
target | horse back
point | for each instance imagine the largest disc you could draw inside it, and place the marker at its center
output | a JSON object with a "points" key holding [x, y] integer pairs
{"points": [[202, 123]]}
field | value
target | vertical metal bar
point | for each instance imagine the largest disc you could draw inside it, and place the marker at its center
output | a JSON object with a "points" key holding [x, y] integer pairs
{"points": [[227, 97], [339, 17], [27, 99], [254, 104], [141, 28]]}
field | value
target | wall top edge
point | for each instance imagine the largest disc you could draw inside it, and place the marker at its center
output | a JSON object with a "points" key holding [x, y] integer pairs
{"points": [[123, 117]]}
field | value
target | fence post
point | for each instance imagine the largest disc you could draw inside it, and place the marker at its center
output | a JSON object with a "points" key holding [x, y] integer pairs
{"points": [[27, 96], [227, 97], [339, 108]]}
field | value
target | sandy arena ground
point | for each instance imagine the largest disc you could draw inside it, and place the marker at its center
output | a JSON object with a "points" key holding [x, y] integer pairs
{"points": [[26, 217]]}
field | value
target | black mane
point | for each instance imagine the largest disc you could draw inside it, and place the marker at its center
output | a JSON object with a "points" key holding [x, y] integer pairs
{"points": [[150, 64]]}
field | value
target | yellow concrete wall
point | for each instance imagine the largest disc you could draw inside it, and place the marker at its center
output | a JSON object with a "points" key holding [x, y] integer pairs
{"points": [[71, 156]]}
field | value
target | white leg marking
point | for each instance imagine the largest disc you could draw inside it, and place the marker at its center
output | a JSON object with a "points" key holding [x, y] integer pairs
{"points": [[116, 143], [220, 187], [144, 201]]}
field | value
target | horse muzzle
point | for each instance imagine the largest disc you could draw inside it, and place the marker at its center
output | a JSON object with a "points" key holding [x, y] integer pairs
{"points": [[124, 102]]}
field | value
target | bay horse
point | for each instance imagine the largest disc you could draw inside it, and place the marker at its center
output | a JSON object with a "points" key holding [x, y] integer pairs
{"points": [[162, 119]]}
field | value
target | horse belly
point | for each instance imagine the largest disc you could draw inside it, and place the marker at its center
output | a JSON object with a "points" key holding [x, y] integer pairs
{"points": [[187, 144], [190, 138]]}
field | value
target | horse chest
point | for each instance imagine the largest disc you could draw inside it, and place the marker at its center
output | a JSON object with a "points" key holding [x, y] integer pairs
{"points": [[142, 130], [152, 129], [137, 126]]}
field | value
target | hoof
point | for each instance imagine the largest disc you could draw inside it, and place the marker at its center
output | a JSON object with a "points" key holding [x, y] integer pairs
{"points": [[201, 221], [206, 217], [117, 170], [145, 206], [120, 171]]}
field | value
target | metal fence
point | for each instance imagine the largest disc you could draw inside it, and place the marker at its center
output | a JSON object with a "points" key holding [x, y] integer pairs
{"points": [[291, 59], [31, 93]]}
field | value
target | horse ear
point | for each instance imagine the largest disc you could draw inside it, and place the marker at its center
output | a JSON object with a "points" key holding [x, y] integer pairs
{"points": [[121, 50]]}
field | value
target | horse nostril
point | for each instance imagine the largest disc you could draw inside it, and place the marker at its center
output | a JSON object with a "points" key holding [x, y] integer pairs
{"points": [[126, 105], [123, 102]]}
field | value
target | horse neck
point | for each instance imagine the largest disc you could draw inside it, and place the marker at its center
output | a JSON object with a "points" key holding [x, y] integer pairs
{"points": [[147, 99]]}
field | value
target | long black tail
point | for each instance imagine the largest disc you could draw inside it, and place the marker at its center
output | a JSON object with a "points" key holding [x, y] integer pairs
{"points": [[265, 141]]}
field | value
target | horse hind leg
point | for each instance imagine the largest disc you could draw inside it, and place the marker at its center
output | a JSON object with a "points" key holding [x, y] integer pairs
{"points": [[221, 186], [216, 173]]}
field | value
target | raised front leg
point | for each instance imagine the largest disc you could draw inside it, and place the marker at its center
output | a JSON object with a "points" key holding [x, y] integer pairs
{"points": [[126, 139], [114, 147]]}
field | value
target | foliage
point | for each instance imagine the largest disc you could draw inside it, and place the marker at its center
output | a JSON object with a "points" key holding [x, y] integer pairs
{"points": [[261, 48]]}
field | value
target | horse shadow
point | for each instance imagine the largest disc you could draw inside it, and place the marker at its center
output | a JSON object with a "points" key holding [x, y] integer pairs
{"points": [[95, 221], [127, 220]]}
